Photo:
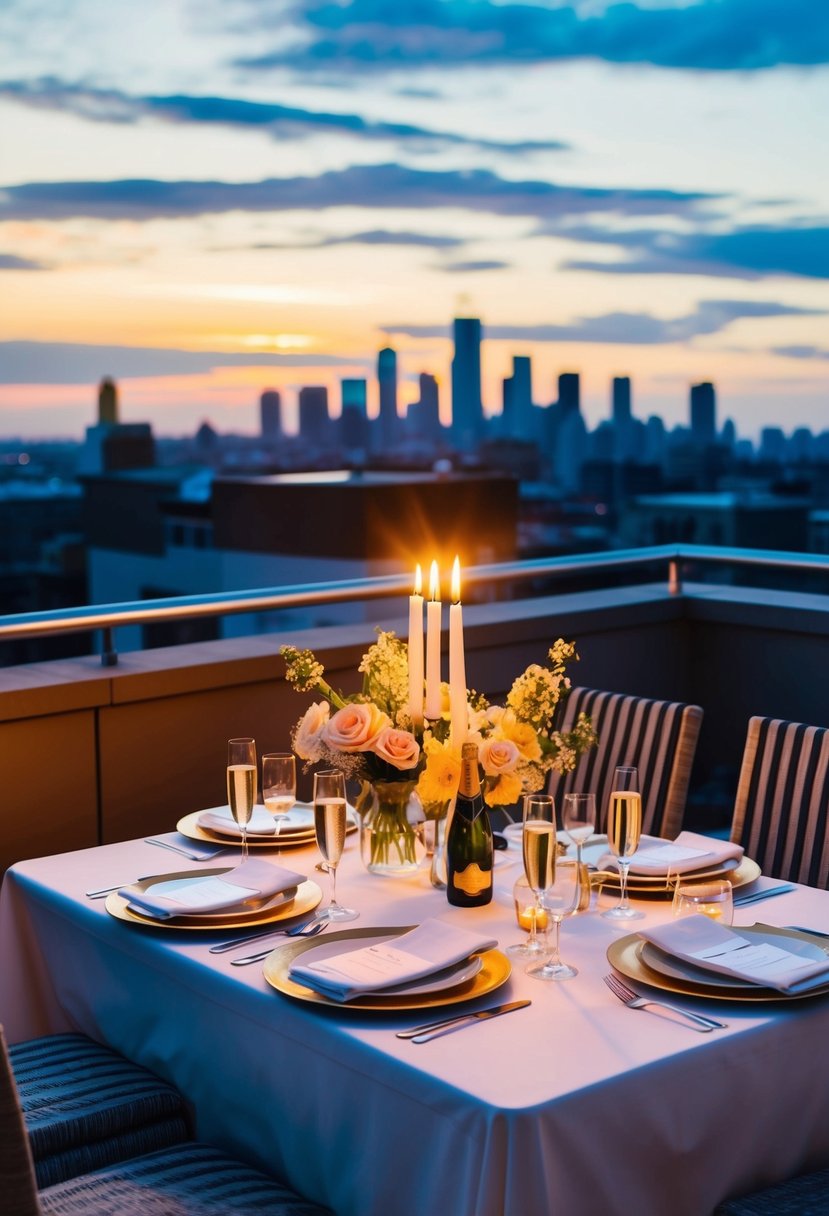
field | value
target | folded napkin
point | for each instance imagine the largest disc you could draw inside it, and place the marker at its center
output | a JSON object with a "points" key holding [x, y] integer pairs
{"points": [[220, 819], [689, 852], [430, 947], [713, 947], [252, 881]]}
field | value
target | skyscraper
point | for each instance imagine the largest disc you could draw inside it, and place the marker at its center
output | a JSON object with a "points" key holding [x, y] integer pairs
{"points": [[569, 393], [621, 400], [270, 414], [519, 416], [467, 407], [424, 414], [314, 420], [387, 377], [107, 402], [354, 419], [703, 413]]}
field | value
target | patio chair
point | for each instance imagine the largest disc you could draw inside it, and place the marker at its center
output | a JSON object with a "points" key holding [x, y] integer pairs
{"points": [[184, 1180], [659, 737], [86, 1106], [781, 814]]}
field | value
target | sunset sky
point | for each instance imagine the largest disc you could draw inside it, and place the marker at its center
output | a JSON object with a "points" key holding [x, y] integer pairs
{"points": [[205, 198]]}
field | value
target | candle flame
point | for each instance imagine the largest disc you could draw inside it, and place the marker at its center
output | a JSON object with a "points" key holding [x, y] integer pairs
{"points": [[456, 581], [434, 582], [418, 580]]}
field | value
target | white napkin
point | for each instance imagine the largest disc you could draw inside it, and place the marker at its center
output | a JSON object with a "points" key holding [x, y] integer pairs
{"points": [[689, 852], [253, 880], [713, 947], [220, 819], [430, 947]]}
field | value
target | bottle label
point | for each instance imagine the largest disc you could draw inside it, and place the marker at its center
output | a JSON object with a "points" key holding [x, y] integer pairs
{"points": [[473, 880]]}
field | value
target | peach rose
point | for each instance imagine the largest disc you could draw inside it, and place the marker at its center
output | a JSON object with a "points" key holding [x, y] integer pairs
{"points": [[498, 756], [355, 728], [308, 734], [397, 747]]}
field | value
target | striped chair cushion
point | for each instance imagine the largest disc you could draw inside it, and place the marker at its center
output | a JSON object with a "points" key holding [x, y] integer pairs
{"points": [[85, 1106], [807, 1195], [659, 737], [17, 1175], [781, 814], [184, 1181]]}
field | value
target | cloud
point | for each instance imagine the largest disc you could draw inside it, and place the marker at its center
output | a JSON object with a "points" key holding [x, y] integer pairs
{"points": [[82, 363], [383, 187], [749, 252], [709, 35], [10, 261], [279, 121], [381, 236], [460, 267], [801, 352], [625, 328]]}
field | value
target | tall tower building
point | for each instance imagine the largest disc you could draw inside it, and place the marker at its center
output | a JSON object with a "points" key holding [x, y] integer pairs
{"points": [[703, 413], [467, 406], [270, 414], [354, 418], [569, 393], [621, 400], [425, 412], [387, 377], [107, 402], [519, 411], [314, 419]]}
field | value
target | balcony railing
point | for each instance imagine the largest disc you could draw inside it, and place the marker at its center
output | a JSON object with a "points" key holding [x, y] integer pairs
{"points": [[671, 561]]}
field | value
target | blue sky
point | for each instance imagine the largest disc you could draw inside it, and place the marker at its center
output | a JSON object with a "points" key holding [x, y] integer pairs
{"points": [[206, 199]]}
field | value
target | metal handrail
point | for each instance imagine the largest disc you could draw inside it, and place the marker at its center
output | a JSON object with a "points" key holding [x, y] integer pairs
{"points": [[106, 617]]}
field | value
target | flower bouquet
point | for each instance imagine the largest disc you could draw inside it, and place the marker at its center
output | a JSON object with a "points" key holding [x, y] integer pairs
{"points": [[370, 737]]}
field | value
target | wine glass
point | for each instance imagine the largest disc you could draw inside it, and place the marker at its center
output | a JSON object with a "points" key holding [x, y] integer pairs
{"points": [[560, 899], [241, 784], [278, 784], [527, 913], [624, 827], [329, 827], [578, 818], [540, 845]]}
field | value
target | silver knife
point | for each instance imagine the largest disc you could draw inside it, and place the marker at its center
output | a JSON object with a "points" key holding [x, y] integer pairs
{"points": [[757, 897], [422, 1034]]}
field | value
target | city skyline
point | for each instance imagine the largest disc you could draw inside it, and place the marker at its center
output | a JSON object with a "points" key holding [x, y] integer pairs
{"points": [[205, 201]]}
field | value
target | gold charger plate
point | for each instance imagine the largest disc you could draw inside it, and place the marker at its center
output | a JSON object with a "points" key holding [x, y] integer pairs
{"points": [[308, 895], [640, 885], [626, 955], [495, 971], [190, 827]]}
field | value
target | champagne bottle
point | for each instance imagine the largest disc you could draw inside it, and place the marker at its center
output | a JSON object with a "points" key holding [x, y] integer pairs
{"points": [[469, 840]]}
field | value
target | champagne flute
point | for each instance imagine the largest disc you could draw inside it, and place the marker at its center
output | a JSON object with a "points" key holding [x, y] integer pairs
{"points": [[278, 784], [624, 827], [578, 818], [540, 845], [559, 900], [241, 784], [329, 827]]}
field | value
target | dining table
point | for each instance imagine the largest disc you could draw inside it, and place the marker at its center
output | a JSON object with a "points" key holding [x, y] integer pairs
{"points": [[570, 1106]]}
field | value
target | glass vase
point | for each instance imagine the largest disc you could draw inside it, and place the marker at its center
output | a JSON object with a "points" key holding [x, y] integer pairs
{"points": [[388, 840]]}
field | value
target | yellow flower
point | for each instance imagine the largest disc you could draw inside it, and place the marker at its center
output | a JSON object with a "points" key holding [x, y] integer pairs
{"points": [[523, 736], [441, 776], [505, 791]]}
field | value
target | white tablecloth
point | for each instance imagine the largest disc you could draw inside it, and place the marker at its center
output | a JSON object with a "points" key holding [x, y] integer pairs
{"points": [[572, 1107]]}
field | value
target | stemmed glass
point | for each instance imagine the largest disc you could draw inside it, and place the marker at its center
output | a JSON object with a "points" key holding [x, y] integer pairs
{"points": [[329, 827], [559, 900], [278, 784], [539, 844], [241, 784], [578, 818], [624, 827]]}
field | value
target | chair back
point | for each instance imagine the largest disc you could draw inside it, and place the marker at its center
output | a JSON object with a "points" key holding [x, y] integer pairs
{"points": [[659, 737], [781, 815], [17, 1173]]}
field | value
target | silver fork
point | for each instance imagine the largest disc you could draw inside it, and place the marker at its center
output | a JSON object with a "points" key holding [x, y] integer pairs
{"points": [[299, 931], [633, 1001], [292, 931]]}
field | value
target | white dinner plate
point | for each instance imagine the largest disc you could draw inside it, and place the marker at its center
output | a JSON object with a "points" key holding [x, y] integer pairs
{"points": [[438, 981]]}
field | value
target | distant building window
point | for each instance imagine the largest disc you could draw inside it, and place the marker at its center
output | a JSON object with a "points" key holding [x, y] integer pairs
{"points": [[189, 534]]}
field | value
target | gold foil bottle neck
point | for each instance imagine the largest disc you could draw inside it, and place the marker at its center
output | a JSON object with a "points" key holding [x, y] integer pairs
{"points": [[470, 783]]}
